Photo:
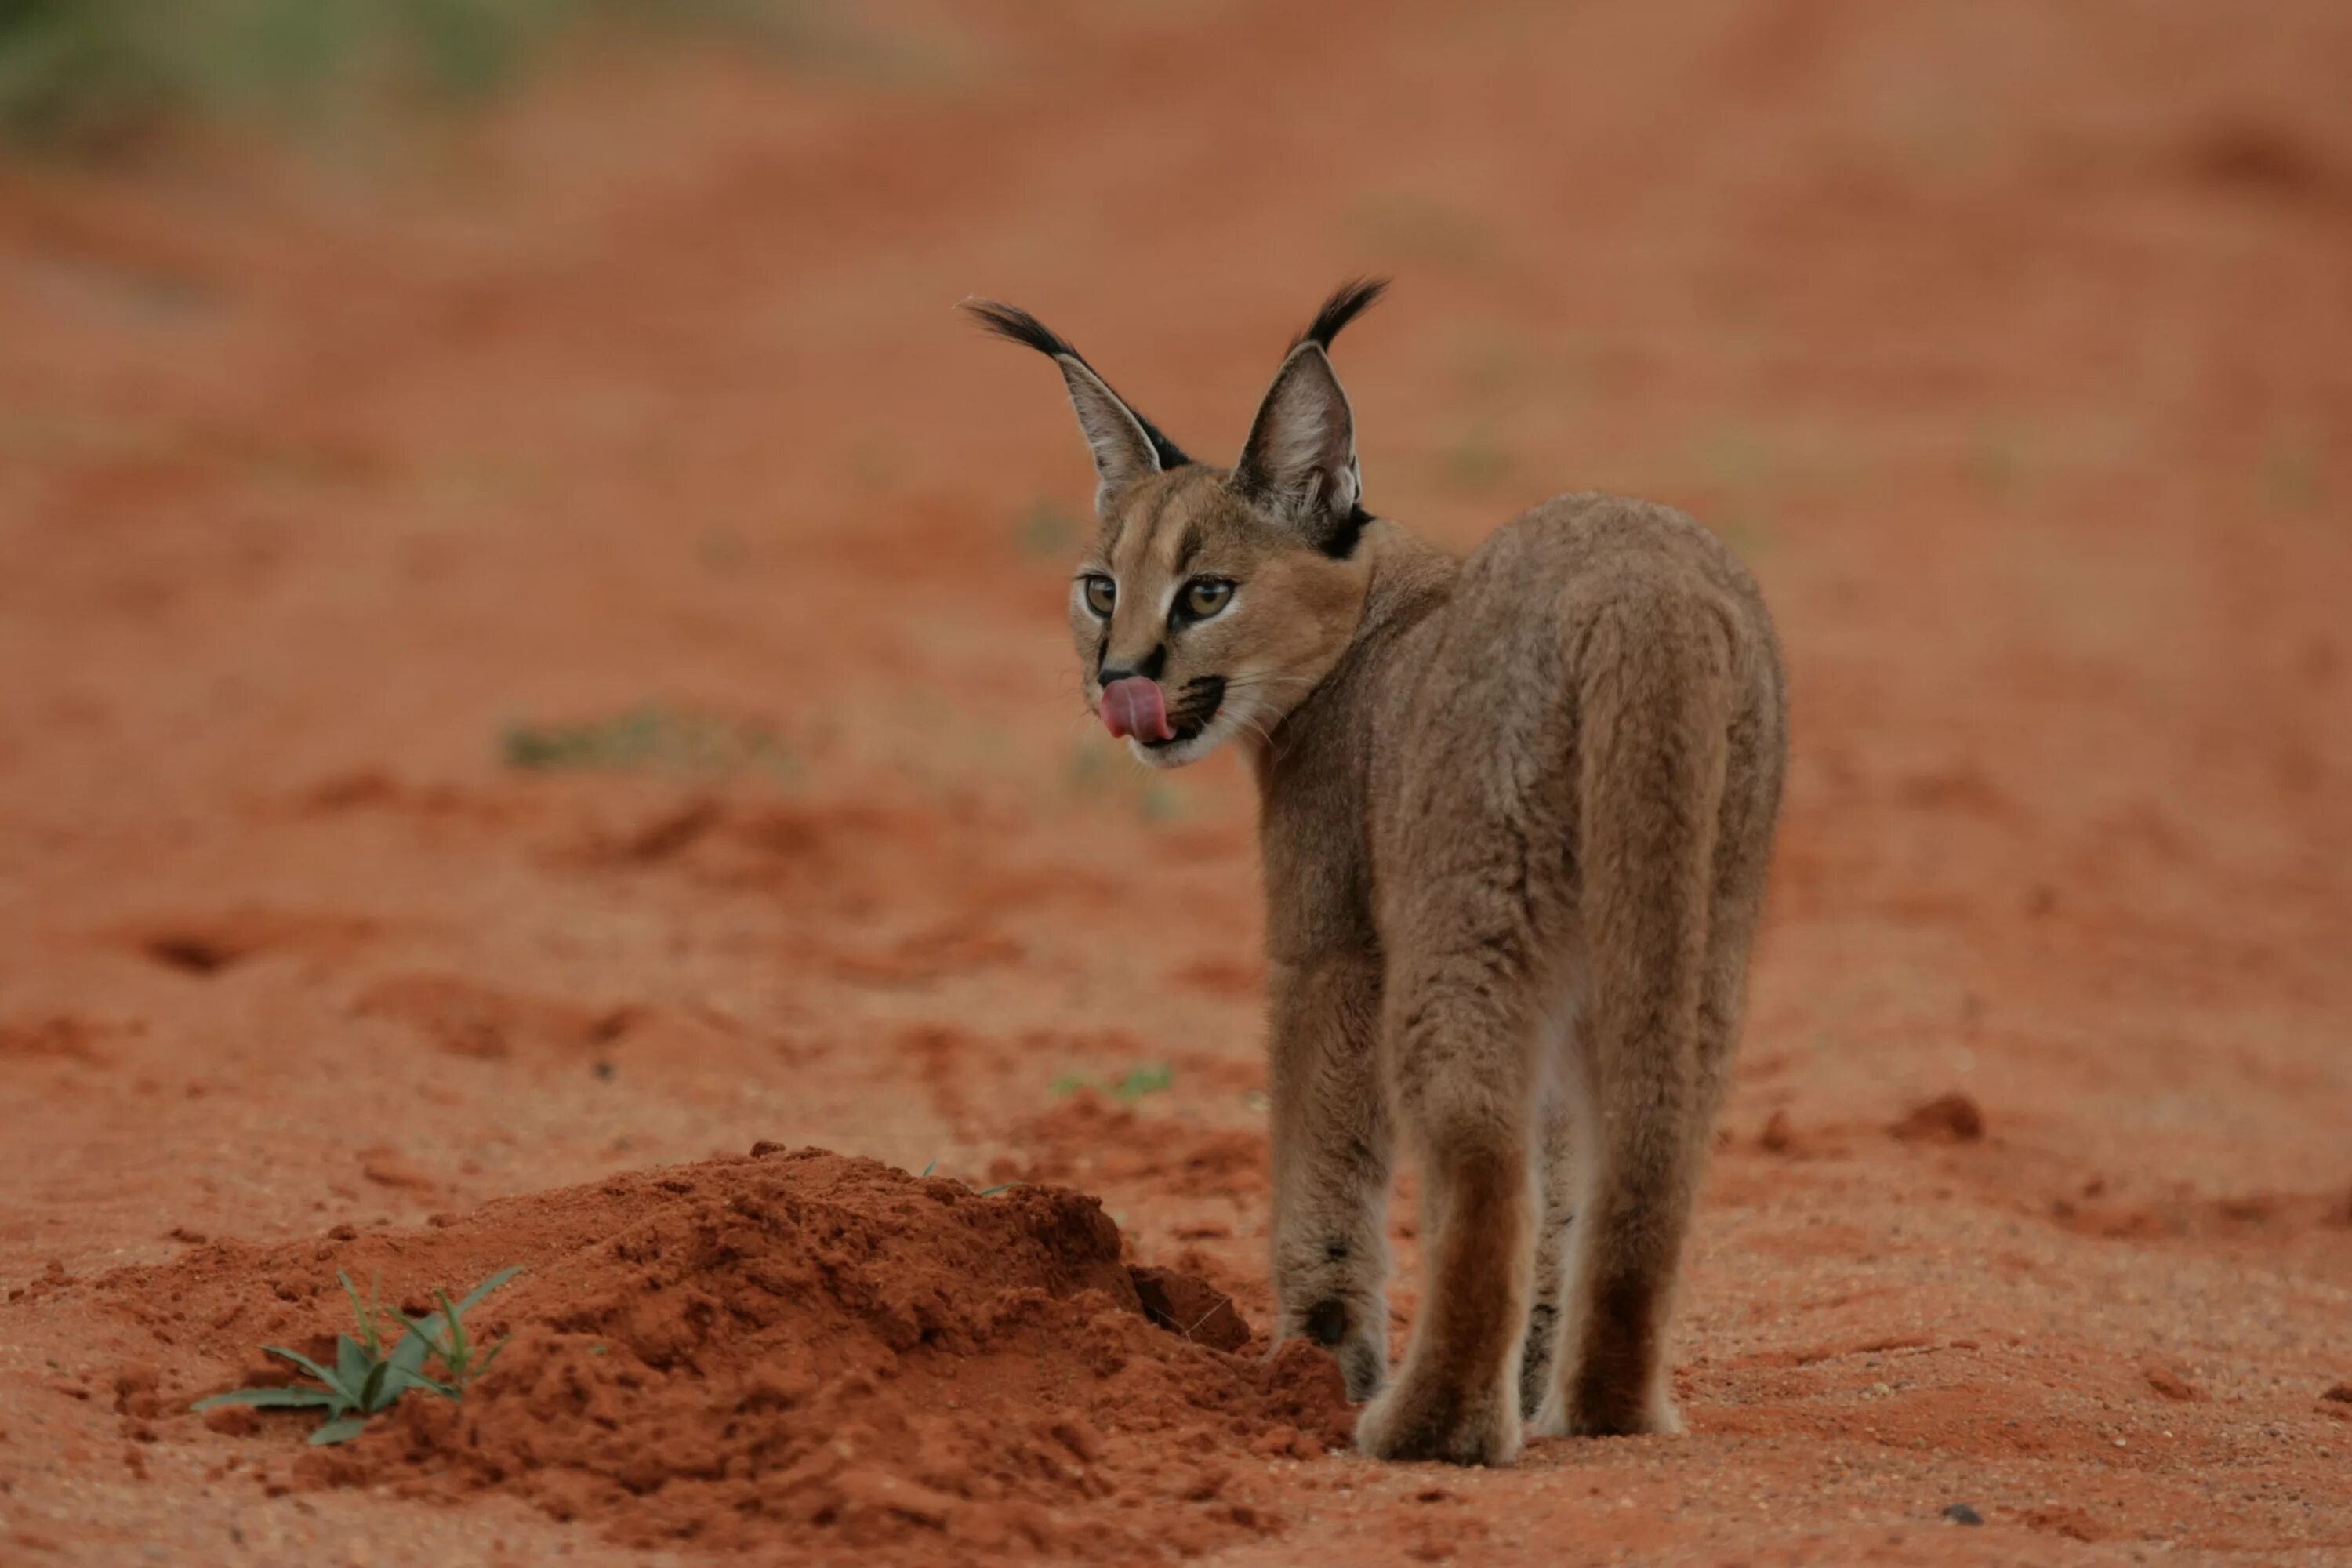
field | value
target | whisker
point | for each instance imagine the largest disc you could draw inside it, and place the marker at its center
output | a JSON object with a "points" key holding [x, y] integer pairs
{"points": [[1248, 721]]}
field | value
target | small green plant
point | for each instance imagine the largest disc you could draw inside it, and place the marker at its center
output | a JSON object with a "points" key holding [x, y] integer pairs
{"points": [[366, 1379], [1137, 1082], [1132, 1084], [653, 737], [460, 1356]]}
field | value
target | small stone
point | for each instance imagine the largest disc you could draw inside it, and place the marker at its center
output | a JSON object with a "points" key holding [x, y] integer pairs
{"points": [[1190, 1306], [1779, 1135], [2172, 1381], [1961, 1513], [1950, 1119], [387, 1167]]}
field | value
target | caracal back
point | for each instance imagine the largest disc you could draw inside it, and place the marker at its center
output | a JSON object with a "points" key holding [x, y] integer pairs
{"points": [[1571, 838]]}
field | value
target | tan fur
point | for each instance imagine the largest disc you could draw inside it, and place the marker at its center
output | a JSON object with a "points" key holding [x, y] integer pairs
{"points": [[1515, 813]]}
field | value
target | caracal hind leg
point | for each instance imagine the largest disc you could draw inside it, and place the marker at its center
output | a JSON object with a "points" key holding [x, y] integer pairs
{"points": [[1657, 701], [1559, 1146], [1588, 1406], [1331, 1165], [1462, 1051], [1610, 1374]]}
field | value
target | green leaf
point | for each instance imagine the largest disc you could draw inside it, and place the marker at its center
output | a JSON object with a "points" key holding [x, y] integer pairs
{"points": [[433, 1385], [379, 1389], [339, 1431], [459, 1353], [343, 1396], [370, 1341], [352, 1362], [1140, 1081], [269, 1398], [409, 1357], [475, 1297]]}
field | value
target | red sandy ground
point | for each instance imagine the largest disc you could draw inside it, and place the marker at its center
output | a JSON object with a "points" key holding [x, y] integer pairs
{"points": [[2012, 342]]}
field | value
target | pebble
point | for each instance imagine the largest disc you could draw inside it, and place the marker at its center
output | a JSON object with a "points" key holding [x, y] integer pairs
{"points": [[1961, 1513]]}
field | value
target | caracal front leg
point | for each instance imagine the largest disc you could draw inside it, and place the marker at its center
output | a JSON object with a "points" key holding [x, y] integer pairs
{"points": [[1332, 1164]]}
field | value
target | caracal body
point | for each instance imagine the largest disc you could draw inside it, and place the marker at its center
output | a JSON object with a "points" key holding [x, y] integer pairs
{"points": [[1515, 813]]}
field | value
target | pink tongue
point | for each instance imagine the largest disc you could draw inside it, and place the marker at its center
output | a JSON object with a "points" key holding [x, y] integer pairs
{"points": [[1132, 706]]}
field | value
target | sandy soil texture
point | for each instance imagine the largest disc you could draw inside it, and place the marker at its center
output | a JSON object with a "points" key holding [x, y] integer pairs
{"points": [[536, 695]]}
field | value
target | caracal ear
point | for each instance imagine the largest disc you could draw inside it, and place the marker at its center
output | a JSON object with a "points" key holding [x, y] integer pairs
{"points": [[1123, 453], [1127, 446], [1301, 461]]}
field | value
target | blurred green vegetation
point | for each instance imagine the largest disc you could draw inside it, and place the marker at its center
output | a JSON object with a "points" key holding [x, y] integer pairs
{"points": [[1478, 459], [1049, 533], [91, 75], [2290, 475], [1098, 771], [653, 738]]}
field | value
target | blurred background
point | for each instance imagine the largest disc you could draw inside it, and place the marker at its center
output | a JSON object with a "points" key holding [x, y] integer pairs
{"points": [[533, 632]]}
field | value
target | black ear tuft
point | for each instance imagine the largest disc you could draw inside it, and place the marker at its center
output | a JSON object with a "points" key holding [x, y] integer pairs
{"points": [[1346, 304], [1016, 325]]}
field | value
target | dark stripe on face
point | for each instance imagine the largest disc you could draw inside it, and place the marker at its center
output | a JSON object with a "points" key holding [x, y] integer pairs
{"points": [[1187, 549], [1203, 695]]}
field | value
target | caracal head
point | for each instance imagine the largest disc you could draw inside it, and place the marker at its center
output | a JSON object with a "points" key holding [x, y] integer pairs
{"points": [[1213, 600]]}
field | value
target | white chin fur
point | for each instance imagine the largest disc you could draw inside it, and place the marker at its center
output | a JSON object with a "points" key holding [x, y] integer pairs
{"points": [[1212, 735]]}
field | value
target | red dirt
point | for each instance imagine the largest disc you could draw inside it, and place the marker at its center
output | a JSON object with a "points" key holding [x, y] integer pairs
{"points": [[2009, 342], [797, 1349]]}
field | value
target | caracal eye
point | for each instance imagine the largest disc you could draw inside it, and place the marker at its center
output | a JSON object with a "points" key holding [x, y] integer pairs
{"points": [[1102, 593], [1204, 596]]}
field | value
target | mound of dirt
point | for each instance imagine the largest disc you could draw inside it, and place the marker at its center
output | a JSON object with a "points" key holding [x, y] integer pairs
{"points": [[801, 1347]]}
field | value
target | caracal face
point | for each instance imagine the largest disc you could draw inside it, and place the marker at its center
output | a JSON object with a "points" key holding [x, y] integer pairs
{"points": [[1198, 618], [1214, 600]]}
